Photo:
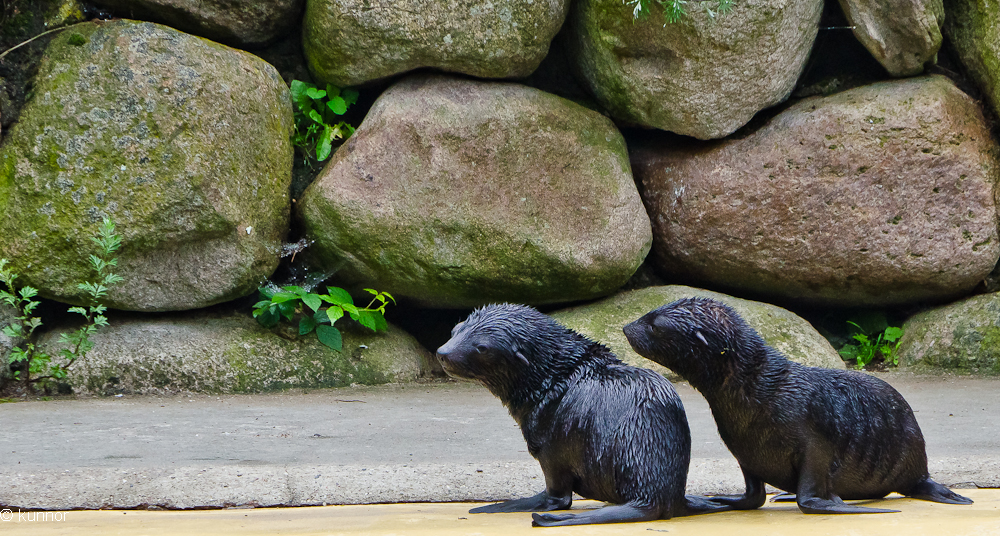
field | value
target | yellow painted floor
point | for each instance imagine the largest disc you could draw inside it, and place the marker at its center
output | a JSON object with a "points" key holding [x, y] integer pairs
{"points": [[917, 518]]}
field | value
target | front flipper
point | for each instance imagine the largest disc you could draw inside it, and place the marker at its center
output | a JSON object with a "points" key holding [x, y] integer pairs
{"points": [[696, 504], [754, 496], [543, 502], [620, 513], [930, 490]]}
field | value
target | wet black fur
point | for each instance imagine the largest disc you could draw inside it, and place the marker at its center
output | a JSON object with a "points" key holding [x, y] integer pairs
{"points": [[823, 434], [598, 427]]}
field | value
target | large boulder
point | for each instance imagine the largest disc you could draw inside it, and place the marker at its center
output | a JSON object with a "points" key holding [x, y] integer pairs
{"points": [[350, 42], [184, 143], [877, 196], [703, 77], [903, 35], [963, 336], [458, 193], [783, 330], [209, 352], [973, 28], [243, 24]]}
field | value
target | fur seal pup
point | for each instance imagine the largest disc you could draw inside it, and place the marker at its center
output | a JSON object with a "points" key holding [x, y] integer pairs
{"points": [[598, 427], [823, 434]]}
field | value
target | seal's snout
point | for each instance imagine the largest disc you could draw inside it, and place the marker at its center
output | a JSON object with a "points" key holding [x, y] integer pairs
{"points": [[444, 353], [632, 330], [635, 333]]}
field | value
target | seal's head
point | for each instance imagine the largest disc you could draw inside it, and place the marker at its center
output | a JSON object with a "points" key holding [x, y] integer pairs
{"points": [[487, 342], [515, 349], [694, 337]]}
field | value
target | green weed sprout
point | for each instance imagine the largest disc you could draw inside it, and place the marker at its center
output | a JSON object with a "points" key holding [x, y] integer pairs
{"points": [[867, 349], [291, 301], [317, 112], [673, 10], [40, 368]]}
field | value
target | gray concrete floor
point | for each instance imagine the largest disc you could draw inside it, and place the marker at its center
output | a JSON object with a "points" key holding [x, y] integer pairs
{"points": [[407, 443]]}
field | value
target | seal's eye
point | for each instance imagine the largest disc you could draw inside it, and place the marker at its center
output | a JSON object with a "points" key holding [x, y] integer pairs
{"points": [[661, 325]]}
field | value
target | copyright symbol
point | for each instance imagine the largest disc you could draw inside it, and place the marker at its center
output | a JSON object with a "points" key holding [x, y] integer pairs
{"points": [[6, 515]]}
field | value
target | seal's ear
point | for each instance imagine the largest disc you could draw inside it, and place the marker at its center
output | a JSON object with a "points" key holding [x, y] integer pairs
{"points": [[701, 337], [520, 356]]}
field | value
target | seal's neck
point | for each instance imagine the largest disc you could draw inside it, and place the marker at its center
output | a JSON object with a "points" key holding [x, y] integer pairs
{"points": [[549, 375], [748, 380]]}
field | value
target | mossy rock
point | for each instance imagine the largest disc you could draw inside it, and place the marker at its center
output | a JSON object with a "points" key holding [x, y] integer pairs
{"points": [[960, 337], [973, 28], [783, 330], [351, 42], [184, 143], [701, 76], [207, 352], [459, 193], [246, 24]]}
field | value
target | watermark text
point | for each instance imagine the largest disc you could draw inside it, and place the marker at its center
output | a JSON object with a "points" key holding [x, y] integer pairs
{"points": [[31, 517]]}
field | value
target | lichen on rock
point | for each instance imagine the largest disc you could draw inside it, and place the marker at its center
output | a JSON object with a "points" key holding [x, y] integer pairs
{"points": [[962, 337], [210, 352], [701, 76], [458, 193], [351, 42], [184, 143]]}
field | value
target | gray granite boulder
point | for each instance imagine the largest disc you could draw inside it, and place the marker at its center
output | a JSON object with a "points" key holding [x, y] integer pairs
{"points": [[963, 337], [785, 331], [252, 23], [207, 352], [458, 193], [877, 196], [350, 42], [700, 76], [184, 143], [903, 35], [973, 28]]}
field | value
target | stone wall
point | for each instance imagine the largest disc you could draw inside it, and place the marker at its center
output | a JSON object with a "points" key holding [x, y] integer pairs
{"points": [[486, 171]]}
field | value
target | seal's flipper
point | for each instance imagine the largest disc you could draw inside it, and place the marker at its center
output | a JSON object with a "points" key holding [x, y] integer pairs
{"points": [[815, 494], [816, 505], [696, 504], [752, 499], [543, 502], [620, 513], [930, 490], [784, 497]]}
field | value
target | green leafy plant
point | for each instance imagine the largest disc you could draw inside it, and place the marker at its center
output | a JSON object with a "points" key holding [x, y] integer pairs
{"points": [[868, 348], [293, 302], [674, 10], [37, 365], [317, 117]]}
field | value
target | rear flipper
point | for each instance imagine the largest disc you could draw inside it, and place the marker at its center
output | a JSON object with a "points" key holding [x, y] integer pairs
{"points": [[815, 493], [784, 497], [817, 505], [930, 490], [620, 513]]}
